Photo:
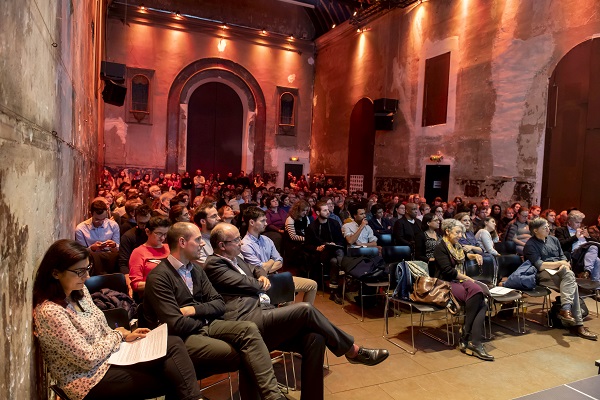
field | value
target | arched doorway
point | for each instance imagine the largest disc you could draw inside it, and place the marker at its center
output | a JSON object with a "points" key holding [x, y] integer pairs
{"points": [[244, 84], [571, 161], [361, 143], [215, 129]]}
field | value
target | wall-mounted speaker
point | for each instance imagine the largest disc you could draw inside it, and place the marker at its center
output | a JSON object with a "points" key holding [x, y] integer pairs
{"points": [[114, 94], [113, 71], [384, 113]]}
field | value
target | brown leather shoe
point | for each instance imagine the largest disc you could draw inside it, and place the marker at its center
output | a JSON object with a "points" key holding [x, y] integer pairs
{"points": [[584, 275], [566, 316], [583, 332]]}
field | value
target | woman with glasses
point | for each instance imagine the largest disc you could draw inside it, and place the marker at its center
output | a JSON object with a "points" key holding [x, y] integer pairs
{"points": [[147, 256], [76, 341]]}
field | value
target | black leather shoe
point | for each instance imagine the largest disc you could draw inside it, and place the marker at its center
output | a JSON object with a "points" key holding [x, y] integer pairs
{"points": [[462, 344], [479, 352], [369, 357]]}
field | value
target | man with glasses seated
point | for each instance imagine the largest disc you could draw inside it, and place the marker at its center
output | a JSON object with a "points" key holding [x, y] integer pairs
{"points": [[299, 327], [545, 253], [98, 233]]}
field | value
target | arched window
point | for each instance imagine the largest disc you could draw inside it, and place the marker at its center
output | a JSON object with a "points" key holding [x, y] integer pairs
{"points": [[286, 109], [139, 95]]}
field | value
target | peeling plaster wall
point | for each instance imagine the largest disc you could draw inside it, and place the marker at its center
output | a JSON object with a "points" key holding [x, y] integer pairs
{"points": [[167, 51], [48, 152], [506, 50]]}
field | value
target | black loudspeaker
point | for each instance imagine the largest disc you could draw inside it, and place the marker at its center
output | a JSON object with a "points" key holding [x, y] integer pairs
{"points": [[114, 94], [113, 71], [385, 106], [384, 113]]}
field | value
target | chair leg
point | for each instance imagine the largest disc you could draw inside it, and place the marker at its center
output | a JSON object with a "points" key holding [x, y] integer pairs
{"points": [[362, 304]]}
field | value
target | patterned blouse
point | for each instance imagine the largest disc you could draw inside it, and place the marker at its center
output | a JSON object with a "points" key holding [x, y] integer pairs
{"points": [[430, 245], [75, 345]]}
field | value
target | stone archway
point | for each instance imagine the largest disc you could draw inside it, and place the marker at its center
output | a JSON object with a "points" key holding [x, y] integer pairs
{"points": [[232, 74]]}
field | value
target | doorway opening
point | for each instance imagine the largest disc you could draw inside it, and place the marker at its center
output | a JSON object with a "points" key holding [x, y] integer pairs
{"points": [[437, 182], [361, 143], [215, 130]]}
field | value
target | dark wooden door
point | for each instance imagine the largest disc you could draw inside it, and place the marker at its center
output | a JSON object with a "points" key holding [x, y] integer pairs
{"points": [[437, 182], [361, 143], [571, 155], [215, 129]]}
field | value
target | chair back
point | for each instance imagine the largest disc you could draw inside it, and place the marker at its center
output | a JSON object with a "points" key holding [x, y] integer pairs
{"points": [[384, 239], [510, 247], [277, 239], [485, 273], [396, 254], [507, 264], [117, 317], [363, 251], [282, 288], [109, 281]]}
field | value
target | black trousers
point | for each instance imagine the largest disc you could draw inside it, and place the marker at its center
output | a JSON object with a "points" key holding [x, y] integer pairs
{"points": [[301, 328], [225, 346], [172, 375]]}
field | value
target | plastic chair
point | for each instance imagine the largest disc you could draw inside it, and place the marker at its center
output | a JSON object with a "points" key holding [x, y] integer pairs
{"points": [[364, 252], [115, 282], [396, 254]]}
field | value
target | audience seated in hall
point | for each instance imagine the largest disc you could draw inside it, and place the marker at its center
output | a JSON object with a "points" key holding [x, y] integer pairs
{"points": [[487, 236], [276, 216], [128, 219], [468, 240], [206, 218], [98, 233], [179, 213], [259, 251], [407, 230], [550, 216], [378, 223], [572, 235], [518, 230], [357, 232], [147, 256], [164, 205], [426, 242], [133, 238]]}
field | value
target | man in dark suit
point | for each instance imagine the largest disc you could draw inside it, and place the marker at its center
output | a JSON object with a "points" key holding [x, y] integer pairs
{"points": [[179, 294], [407, 230], [299, 327]]}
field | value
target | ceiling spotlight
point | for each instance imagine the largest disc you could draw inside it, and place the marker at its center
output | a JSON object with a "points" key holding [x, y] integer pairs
{"points": [[291, 37], [355, 12], [264, 32], [177, 14], [224, 26], [142, 7], [359, 30], [332, 26]]}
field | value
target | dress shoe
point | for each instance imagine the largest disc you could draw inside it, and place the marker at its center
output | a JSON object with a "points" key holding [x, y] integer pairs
{"points": [[462, 344], [479, 352], [583, 332], [584, 275], [369, 356], [566, 316]]}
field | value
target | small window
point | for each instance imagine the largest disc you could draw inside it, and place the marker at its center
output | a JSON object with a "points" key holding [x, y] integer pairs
{"points": [[140, 91], [139, 95], [286, 107], [435, 90]]}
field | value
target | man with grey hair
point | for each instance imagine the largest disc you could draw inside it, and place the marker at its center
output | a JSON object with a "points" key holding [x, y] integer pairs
{"points": [[299, 327], [545, 253], [572, 235]]}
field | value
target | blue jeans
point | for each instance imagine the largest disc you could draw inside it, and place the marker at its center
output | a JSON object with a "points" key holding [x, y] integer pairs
{"points": [[592, 263]]}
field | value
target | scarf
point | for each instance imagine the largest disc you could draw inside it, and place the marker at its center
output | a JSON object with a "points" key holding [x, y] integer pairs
{"points": [[457, 253]]}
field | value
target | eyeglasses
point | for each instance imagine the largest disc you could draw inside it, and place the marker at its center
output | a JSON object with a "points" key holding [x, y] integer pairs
{"points": [[160, 235], [235, 241], [81, 272]]}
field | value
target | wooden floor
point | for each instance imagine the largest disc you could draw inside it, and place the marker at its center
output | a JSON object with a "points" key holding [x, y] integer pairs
{"points": [[525, 363]]}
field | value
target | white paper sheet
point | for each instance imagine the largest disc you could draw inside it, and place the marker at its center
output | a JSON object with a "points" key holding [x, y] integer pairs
{"points": [[153, 346], [551, 271], [500, 290]]}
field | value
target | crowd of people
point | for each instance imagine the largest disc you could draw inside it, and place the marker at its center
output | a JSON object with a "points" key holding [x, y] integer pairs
{"points": [[199, 252]]}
